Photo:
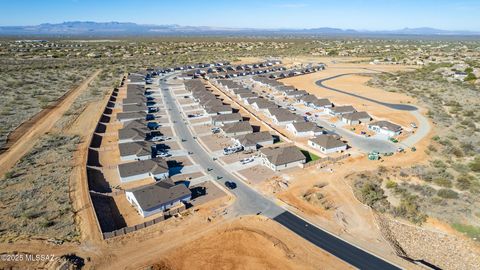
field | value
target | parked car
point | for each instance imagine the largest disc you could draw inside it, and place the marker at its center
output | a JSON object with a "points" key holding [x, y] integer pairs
{"points": [[413, 125], [232, 149], [247, 160], [153, 125], [230, 184], [164, 154], [157, 139]]}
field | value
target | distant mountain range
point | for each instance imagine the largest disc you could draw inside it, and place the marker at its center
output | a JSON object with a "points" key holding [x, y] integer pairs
{"points": [[87, 28]]}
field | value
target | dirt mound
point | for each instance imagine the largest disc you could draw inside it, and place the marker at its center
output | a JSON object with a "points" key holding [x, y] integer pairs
{"points": [[316, 197]]}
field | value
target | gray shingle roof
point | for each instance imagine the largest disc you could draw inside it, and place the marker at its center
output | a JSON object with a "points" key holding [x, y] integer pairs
{"points": [[357, 116], [135, 148], [283, 155], [343, 109], [243, 126], [328, 141], [255, 138], [227, 117], [160, 193], [131, 115], [306, 126], [154, 166], [387, 125]]}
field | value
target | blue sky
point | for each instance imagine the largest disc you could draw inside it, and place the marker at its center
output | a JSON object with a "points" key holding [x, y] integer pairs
{"points": [[354, 14]]}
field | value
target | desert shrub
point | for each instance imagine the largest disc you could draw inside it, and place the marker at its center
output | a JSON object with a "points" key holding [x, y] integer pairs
{"points": [[443, 182], [447, 193], [464, 181], [475, 164], [391, 184], [410, 210]]}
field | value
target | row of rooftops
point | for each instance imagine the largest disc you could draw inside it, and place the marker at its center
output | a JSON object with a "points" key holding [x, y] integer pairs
{"points": [[209, 101], [247, 140], [348, 112], [136, 132], [230, 71]]}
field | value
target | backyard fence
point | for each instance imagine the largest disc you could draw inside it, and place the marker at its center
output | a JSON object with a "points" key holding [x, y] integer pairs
{"points": [[324, 161], [127, 230]]}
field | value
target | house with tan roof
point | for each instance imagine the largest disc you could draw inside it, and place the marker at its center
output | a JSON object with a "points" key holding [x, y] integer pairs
{"points": [[253, 141], [222, 119], [281, 116], [262, 104], [386, 128], [321, 103], [139, 150], [327, 144], [156, 168], [158, 197], [237, 128], [304, 129], [356, 118], [280, 158], [340, 110]]}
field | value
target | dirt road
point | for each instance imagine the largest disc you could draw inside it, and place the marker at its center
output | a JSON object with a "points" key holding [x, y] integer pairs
{"points": [[41, 126]]}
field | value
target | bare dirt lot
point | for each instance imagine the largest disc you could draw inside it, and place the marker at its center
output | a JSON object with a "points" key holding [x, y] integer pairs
{"points": [[249, 243], [257, 174], [215, 142], [355, 84]]}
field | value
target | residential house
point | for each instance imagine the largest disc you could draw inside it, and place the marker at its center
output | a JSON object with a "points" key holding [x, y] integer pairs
{"points": [[385, 128], [295, 94], [222, 119], [340, 110], [156, 168], [304, 129], [280, 158], [281, 116], [327, 144], [138, 150], [253, 141], [129, 116], [134, 108], [158, 197], [306, 99], [262, 104], [236, 129], [321, 103], [245, 96], [356, 118], [218, 109]]}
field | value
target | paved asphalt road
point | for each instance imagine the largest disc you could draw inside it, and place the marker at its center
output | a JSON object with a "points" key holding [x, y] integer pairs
{"points": [[249, 201], [423, 123], [403, 107]]}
